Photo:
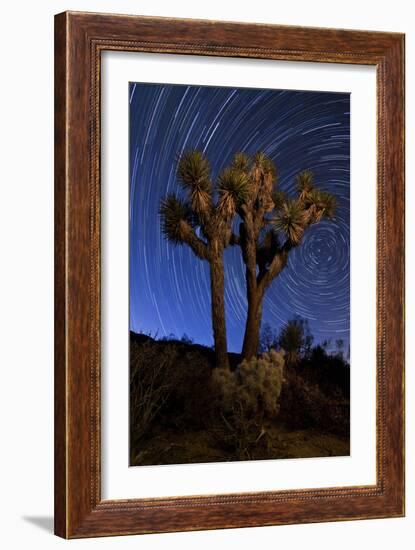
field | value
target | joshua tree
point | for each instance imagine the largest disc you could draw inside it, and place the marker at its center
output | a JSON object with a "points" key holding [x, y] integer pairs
{"points": [[272, 224], [203, 221]]}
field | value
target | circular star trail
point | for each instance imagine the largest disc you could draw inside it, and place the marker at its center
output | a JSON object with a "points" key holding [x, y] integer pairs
{"points": [[169, 287]]}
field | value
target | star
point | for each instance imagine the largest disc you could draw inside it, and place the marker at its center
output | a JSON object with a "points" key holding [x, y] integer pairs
{"points": [[169, 287]]}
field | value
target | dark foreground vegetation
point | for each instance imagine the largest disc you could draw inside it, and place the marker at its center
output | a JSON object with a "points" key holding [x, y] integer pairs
{"points": [[282, 397], [281, 404]]}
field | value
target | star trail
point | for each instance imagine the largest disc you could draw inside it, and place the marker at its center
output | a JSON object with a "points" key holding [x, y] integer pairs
{"points": [[169, 287]]}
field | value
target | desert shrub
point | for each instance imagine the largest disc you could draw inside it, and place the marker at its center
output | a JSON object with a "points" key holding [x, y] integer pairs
{"points": [[305, 405], [302, 402], [235, 432], [330, 372], [185, 339], [243, 398], [255, 384], [169, 380], [190, 400], [150, 384], [337, 419]]}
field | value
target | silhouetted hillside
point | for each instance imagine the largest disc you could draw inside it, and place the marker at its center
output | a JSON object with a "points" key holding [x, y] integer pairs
{"points": [[184, 346]]}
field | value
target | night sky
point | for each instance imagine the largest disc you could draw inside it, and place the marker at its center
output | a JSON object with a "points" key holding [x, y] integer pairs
{"points": [[169, 286]]}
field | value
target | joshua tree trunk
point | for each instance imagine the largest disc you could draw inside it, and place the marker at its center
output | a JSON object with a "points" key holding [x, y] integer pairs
{"points": [[253, 324], [217, 282], [256, 287], [254, 292]]}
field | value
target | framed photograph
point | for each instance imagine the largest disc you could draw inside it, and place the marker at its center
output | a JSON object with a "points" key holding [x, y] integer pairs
{"points": [[229, 275]]}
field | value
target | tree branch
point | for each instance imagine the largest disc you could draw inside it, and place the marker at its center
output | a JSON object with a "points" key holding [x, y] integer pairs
{"points": [[275, 267], [192, 240]]}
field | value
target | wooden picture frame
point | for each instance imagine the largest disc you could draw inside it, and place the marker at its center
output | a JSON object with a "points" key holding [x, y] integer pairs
{"points": [[79, 40]]}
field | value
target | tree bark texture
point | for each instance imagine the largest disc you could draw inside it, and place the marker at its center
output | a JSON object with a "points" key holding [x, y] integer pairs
{"points": [[253, 325], [256, 284], [217, 281]]}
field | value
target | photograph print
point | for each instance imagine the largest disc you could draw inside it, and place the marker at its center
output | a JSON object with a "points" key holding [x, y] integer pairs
{"points": [[239, 228]]}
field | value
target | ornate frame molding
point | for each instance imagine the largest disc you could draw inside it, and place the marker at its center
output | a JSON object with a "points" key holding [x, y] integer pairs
{"points": [[79, 40]]}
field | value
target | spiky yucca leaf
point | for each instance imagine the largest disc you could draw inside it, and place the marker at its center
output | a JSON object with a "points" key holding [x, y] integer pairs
{"points": [[241, 162], [194, 173], [305, 182], [233, 187], [174, 212], [291, 219], [329, 204], [313, 205], [279, 198], [200, 201], [194, 168], [263, 163], [318, 204]]}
